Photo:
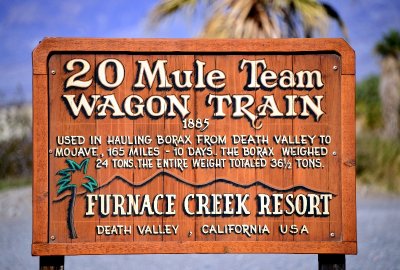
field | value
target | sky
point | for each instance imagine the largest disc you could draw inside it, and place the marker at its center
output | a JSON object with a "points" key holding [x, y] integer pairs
{"points": [[23, 23]]}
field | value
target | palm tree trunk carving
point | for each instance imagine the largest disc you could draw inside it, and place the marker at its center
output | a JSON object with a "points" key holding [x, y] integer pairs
{"points": [[70, 214]]}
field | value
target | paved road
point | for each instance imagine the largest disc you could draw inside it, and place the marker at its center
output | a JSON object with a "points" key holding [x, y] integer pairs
{"points": [[378, 238]]}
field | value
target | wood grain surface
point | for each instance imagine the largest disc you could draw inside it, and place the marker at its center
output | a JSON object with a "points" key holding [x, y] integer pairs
{"points": [[334, 233]]}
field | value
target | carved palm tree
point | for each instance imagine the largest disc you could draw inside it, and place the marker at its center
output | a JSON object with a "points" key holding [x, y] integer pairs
{"points": [[64, 184], [389, 86], [258, 18]]}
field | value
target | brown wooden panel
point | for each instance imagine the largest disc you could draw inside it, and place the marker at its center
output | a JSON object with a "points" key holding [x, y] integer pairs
{"points": [[135, 130], [348, 160], [106, 127], [40, 184], [48, 45], [202, 247], [334, 113], [317, 176], [63, 125], [231, 126], [174, 126], [204, 176], [274, 177], [148, 126]]}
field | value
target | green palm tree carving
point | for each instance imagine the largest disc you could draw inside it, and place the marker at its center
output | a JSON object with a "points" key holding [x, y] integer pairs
{"points": [[64, 184]]}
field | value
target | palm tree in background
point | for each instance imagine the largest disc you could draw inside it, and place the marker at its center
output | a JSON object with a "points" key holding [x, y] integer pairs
{"points": [[257, 18], [389, 86]]}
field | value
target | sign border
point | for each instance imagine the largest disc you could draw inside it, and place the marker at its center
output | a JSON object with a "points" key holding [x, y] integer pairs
{"points": [[41, 245]]}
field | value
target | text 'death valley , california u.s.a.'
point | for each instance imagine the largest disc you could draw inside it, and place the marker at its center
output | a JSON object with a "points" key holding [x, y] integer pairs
{"points": [[193, 146]]}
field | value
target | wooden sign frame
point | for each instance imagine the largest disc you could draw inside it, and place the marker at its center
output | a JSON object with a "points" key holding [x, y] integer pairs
{"points": [[42, 242]]}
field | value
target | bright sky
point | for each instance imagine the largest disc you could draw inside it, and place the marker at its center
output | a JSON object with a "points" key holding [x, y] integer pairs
{"points": [[23, 23]]}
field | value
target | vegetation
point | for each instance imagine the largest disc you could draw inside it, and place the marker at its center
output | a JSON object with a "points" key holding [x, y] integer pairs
{"points": [[368, 106], [390, 45], [389, 87], [15, 146], [378, 162], [11, 182], [257, 18], [378, 157], [378, 107]]}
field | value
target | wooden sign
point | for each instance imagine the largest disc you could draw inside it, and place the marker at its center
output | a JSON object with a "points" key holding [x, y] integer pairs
{"points": [[193, 146]]}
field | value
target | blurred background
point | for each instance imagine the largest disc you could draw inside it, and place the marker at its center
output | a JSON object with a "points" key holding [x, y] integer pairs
{"points": [[371, 27]]}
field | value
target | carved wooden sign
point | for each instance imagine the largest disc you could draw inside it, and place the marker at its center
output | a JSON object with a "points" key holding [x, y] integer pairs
{"points": [[193, 146]]}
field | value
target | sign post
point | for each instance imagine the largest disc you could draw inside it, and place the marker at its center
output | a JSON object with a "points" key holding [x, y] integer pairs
{"points": [[331, 262], [193, 146], [51, 263]]}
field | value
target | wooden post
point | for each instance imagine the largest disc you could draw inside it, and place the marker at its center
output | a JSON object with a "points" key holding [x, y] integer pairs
{"points": [[331, 262], [51, 263]]}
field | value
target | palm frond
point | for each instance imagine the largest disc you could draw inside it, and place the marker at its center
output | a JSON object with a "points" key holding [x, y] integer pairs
{"points": [[166, 8], [241, 19], [312, 15], [258, 18], [335, 15], [390, 45]]}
